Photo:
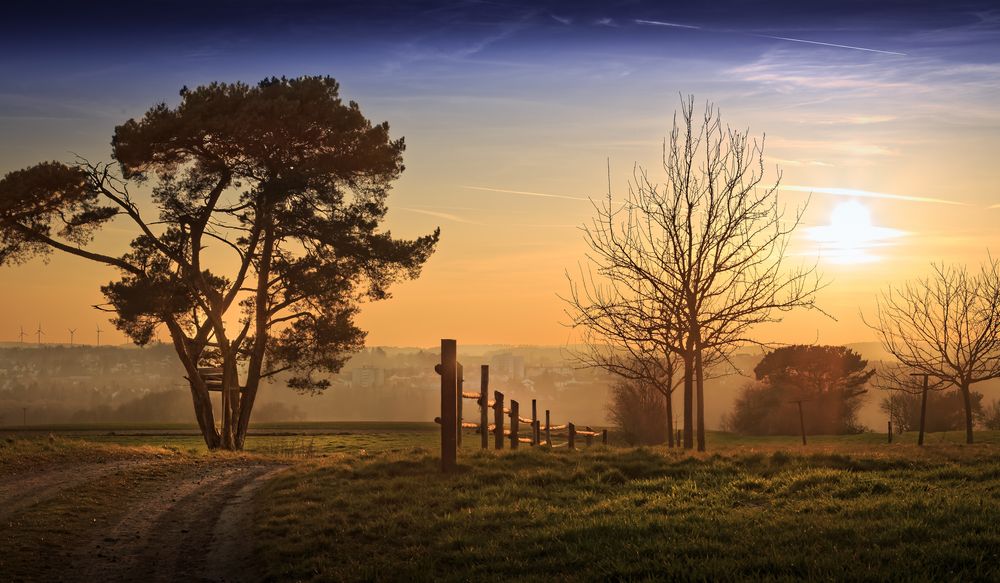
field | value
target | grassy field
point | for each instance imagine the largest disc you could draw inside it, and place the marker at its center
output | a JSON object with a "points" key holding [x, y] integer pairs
{"points": [[369, 503], [300, 439]]}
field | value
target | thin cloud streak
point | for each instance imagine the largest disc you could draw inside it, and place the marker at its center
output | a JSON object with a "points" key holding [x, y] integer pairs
{"points": [[816, 42], [440, 215], [526, 193], [784, 38], [661, 23], [868, 194]]}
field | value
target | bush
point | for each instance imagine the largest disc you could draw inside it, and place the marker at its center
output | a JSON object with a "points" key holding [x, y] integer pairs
{"points": [[945, 410], [991, 415], [640, 412], [765, 409]]}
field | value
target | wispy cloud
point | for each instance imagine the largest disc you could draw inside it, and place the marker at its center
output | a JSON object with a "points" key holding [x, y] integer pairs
{"points": [[661, 23], [785, 162], [852, 192], [526, 193], [440, 215], [774, 37], [835, 45]]}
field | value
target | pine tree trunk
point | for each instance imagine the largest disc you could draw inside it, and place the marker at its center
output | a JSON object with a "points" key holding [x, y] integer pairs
{"points": [[205, 416]]}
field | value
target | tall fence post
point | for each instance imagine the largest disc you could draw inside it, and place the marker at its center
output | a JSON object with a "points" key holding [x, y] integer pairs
{"points": [[458, 402], [484, 403], [498, 418], [548, 430], [449, 413], [590, 438], [572, 436], [890, 432], [534, 422], [514, 423]]}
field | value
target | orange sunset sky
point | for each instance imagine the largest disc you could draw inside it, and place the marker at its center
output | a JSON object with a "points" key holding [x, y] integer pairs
{"points": [[510, 132]]}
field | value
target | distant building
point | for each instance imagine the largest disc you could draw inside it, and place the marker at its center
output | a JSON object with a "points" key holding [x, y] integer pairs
{"points": [[367, 377], [509, 365]]}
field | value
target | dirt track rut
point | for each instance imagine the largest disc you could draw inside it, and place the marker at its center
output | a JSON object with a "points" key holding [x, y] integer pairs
{"points": [[166, 521]]}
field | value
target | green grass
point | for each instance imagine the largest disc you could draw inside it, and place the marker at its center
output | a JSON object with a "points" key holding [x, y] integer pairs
{"points": [[368, 502], [301, 439], [843, 510]]}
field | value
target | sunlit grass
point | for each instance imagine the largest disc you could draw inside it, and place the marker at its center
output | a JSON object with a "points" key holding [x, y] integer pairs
{"points": [[861, 511]]}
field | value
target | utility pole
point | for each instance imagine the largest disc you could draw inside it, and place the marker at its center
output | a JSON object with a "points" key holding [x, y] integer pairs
{"points": [[802, 422], [923, 405]]}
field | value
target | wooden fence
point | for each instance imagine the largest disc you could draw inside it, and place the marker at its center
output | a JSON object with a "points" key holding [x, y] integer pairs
{"points": [[453, 424]]}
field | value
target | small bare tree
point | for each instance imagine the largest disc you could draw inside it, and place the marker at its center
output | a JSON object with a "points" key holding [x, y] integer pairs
{"points": [[946, 325], [699, 261], [618, 337]]}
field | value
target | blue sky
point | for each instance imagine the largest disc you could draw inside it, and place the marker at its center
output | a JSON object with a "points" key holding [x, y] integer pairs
{"points": [[503, 101]]}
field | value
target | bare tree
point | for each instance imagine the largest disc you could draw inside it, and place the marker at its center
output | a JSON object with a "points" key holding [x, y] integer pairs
{"points": [[698, 261], [946, 325], [618, 339]]}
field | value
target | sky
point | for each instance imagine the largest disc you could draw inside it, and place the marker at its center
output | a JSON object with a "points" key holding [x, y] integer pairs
{"points": [[882, 116]]}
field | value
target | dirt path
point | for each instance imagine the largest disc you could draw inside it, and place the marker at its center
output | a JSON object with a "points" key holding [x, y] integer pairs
{"points": [[160, 520], [25, 489]]}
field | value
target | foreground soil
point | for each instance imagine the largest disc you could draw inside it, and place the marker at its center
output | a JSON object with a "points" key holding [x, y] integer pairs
{"points": [[76, 512]]}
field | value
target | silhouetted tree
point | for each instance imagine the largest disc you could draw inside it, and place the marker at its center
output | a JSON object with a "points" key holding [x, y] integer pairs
{"points": [[286, 178], [639, 411], [991, 415], [946, 325], [699, 261], [830, 380], [945, 410]]}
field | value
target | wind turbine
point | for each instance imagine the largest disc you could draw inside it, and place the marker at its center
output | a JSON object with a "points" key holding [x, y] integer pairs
{"points": [[22, 334], [39, 334], [98, 334], [72, 331]]}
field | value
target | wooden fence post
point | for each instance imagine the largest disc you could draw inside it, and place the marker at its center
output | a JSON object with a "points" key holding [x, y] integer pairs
{"points": [[459, 403], [534, 422], [449, 414], [604, 437], [590, 438], [572, 436], [484, 403], [548, 431], [498, 418], [890, 432], [515, 422]]}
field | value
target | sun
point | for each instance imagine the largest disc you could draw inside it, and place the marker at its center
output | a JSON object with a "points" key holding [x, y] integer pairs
{"points": [[851, 235]]}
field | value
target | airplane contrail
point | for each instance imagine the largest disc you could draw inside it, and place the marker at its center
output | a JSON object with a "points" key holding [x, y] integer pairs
{"points": [[526, 193], [784, 38], [440, 215], [661, 23], [816, 42], [868, 194]]}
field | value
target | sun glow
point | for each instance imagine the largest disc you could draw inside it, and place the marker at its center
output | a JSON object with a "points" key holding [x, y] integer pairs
{"points": [[851, 235]]}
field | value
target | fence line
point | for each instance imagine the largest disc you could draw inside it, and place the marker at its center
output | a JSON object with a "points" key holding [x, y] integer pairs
{"points": [[452, 423]]}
